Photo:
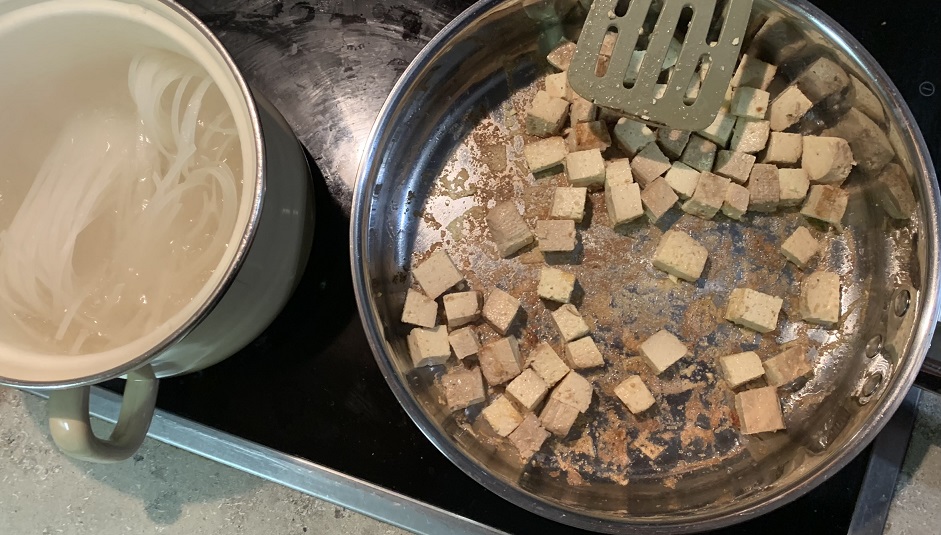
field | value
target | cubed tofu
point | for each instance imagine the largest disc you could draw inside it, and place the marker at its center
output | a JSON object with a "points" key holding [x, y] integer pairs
{"points": [[788, 108], [709, 196], [800, 247], [419, 310], [618, 170], [428, 347], [759, 410], [820, 298], [752, 72], [464, 342], [555, 235], [547, 363], [700, 153], [582, 111], [437, 274], [591, 135], [680, 255], [561, 56], [736, 201], [658, 197], [574, 391], [827, 160], [528, 389], [500, 309], [462, 308], [583, 353], [753, 309], [866, 101], [788, 366], [570, 323], [463, 388], [740, 368], [508, 229], [649, 164], [545, 153], [827, 204], [555, 285], [635, 394], [750, 136], [750, 102], [784, 148], [528, 437], [794, 186], [672, 142], [557, 417], [869, 143], [895, 192], [683, 179], [821, 79], [622, 201], [778, 39], [502, 416], [557, 85], [764, 188], [633, 67], [662, 350], [546, 115], [500, 360], [734, 165], [568, 203], [720, 130], [585, 168], [633, 136]]}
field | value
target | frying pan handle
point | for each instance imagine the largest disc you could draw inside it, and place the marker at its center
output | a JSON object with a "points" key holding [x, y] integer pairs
{"points": [[929, 378]]}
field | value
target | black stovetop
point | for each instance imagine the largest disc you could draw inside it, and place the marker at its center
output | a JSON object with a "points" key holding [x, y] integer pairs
{"points": [[308, 386]]}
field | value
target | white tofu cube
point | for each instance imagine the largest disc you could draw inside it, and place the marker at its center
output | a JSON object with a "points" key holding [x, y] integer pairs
{"points": [[734, 165], [794, 186], [800, 247], [463, 388], [546, 115], [583, 353], [419, 310], [680, 256], [528, 389], [585, 168], [752, 72], [700, 153], [547, 363], [759, 410], [740, 368], [428, 347], [545, 153], [635, 394], [464, 342], [827, 160], [764, 188], [633, 136], [561, 56], [649, 164], [866, 101], [500, 309], [750, 102], [570, 323], [720, 130], [827, 204], [820, 298], [568, 203], [869, 143], [736, 201], [500, 360], [528, 437], [788, 366], [821, 79], [502, 416], [662, 350], [750, 136], [618, 171], [583, 111], [437, 274], [633, 67], [895, 192], [509, 231], [590, 135], [574, 391], [658, 197], [683, 179], [461, 308], [709, 196], [556, 235], [788, 108], [784, 148], [557, 417], [557, 85], [622, 201], [555, 285], [753, 309], [672, 142]]}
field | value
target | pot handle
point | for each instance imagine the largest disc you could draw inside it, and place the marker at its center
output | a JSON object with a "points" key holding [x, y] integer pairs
{"points": [[69, 420], [929, 378]]}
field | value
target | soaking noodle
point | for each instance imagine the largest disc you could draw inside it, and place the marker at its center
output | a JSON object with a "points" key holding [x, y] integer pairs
{"points": [[129, 214]]}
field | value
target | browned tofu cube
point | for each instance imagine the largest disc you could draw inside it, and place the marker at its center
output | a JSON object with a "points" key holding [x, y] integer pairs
{"points": [[657, 198], [557, 417], [464, 342], [895, 192], [700, 153], [546, 115], [827, 204], [528, 389], [759, 410], [509, 231], [462, 308], [529, 436], [788, 366], [827, 160], [821, 79], [736, 201], [764, 189], [574, 390], [500, 360], [788, 108], [561, 56], [463, 388], [500, 309], [709, 196], [649, 164], [868, 142], [583, 111], [591, 135], [672, 142], [750, 135], [556, 235], [734, 165]]}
